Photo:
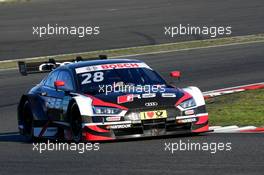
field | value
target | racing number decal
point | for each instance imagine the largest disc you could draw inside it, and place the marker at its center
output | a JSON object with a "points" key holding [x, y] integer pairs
{"points": [[97, 77], [87, 78]]}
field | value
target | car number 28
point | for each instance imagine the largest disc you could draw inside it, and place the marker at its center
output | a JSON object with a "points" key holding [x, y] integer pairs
{"points": [[95, 77]]}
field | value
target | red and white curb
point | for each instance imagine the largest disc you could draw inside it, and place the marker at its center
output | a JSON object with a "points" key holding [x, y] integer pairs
{"points": [[235, 129], [231, 90]]}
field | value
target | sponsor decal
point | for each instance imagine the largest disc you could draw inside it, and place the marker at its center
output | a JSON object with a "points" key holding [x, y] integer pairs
{"points": [[130, 97], [120, 65], [111, 66], [189, 112], [188, 120], [153, 114], [112, 119], [149, 95], [123, 126], [125, 98], [133, 116], [168, 95]]}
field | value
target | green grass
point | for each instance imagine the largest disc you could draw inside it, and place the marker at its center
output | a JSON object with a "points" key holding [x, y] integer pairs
{"points": [[243, 109]]}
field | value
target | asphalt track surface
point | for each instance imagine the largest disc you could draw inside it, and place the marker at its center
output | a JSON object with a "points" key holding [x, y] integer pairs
{"points": [[207, 68], [123, 23]]}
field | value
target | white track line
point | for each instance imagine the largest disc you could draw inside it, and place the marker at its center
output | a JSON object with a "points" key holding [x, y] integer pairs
{"points": [[246, 128], [231, 129], [225, 129], [234, 130], [214, 127]]}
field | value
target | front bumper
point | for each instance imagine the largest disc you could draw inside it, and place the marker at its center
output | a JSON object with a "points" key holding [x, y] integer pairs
{"points": [[145, 128]]}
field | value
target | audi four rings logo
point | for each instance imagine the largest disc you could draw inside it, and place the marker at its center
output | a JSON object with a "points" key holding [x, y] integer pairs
{"points": [[151, 104]]}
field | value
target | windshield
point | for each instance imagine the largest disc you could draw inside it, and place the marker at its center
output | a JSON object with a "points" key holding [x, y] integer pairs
{"points": [[91, 82]]}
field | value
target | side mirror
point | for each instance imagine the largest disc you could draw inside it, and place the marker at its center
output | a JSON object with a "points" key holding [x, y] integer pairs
{"points": [[58, 84], [175, 74]]}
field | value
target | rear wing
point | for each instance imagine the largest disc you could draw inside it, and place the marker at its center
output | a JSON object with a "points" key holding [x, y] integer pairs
{"points": [[51, 64]]}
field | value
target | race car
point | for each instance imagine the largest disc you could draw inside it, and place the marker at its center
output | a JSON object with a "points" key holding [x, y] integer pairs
{"points": [[107, 99]]}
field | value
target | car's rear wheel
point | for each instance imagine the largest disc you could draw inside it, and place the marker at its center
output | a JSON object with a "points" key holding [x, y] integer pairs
{"points": [[76, 123], [27, 122]]}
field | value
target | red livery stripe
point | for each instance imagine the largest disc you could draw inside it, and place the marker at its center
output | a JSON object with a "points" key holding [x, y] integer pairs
{"points": [[202, 129], [98, 102], [97, 129], [91, 137], [202, 119]]}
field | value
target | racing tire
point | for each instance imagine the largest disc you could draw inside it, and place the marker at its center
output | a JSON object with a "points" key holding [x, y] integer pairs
{"points": [[28, 122], [76, 123]]}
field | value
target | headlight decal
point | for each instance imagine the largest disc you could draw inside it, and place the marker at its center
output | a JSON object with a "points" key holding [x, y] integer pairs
{"points": [[185, 97], [188, 103], [106, 110]]}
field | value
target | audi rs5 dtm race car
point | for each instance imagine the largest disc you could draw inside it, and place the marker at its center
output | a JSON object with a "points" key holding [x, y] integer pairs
{"points": [[107, 99]]}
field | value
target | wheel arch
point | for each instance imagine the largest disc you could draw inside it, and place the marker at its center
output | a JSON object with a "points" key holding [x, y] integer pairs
{"points": [[84, 104], [197, 95], [37, 106]]}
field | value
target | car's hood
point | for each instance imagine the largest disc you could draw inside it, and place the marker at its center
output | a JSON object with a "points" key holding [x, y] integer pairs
{"points": [[168, 97]]}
